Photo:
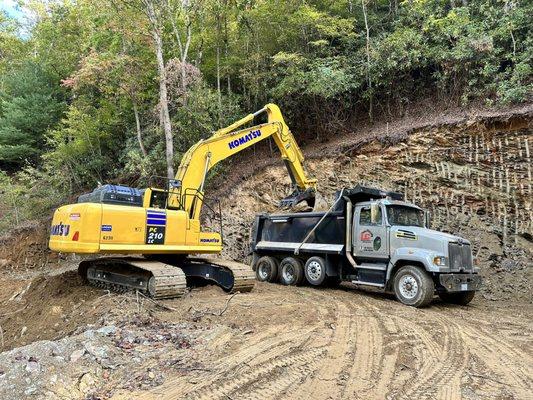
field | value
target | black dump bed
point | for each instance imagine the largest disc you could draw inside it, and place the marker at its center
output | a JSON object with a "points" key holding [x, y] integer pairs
{"points": [[275, 232]]}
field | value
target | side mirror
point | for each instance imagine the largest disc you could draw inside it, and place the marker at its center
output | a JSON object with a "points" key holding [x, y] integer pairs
{"points": [[374, 211], [428, 219]]}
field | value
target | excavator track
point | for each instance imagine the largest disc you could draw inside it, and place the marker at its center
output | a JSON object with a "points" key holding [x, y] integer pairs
{"points": [[156, 279], [243, 276], [161, 280]]}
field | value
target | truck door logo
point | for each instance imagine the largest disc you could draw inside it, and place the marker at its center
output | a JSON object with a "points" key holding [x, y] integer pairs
{"points": [[366, 236], [377, 243]]}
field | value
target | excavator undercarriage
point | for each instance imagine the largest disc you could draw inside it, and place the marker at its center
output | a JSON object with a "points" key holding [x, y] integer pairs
{"points": [[161, 280]]}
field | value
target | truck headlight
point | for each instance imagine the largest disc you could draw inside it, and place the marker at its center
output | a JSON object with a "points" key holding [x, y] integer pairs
{"points": [[440, 261]]}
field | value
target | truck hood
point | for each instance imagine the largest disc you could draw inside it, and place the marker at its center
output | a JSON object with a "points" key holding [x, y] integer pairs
{"points": [[413, 236]]}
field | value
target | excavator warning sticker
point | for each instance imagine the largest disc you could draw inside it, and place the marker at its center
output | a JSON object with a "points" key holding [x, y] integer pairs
{"points": [[156, 222]]}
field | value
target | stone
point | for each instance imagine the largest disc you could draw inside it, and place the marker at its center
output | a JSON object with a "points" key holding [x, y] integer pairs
{"points": [[76, 355], [86, 383], [107, 330], [32, 366], [96, 351]]}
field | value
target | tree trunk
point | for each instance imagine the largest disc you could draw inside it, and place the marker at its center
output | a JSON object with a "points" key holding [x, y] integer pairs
{"points": [[183, 47], [219, 93], [164, 115], [369, 80], [139, 132], [163, 103], [226, 46]]}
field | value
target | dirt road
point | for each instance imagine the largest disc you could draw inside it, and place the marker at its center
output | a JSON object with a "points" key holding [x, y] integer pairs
{"points": [[305, 343]]}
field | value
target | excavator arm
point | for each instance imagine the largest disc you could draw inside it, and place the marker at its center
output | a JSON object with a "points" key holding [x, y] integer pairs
{"points": [[231, 140]]}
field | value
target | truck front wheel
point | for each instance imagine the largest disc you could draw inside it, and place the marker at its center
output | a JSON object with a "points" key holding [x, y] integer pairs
{"points": [[291, 271], [413, 286], [462, 298], [315, 271], [266, 269]]}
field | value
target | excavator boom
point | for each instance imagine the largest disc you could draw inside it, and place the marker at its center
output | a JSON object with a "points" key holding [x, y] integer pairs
{"points": [[231, 140]]}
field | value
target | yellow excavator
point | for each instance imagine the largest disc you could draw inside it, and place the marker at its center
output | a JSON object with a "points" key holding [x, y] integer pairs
{"points": [[161, 228]]}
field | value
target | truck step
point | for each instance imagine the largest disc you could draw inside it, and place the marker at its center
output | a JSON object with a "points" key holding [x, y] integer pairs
{"points": [[380, 285]]}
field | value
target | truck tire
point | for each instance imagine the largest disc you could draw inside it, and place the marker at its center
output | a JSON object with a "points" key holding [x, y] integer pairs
{"points": [[291, 271], [315, 271], [413, 286], [462, 298], [266, 269]]}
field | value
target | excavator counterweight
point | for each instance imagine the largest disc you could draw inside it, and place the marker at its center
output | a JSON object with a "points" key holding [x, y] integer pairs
{"points": [[161, 227]]}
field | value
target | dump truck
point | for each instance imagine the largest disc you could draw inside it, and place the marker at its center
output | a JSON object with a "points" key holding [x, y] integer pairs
{"points": [[371, 238]]}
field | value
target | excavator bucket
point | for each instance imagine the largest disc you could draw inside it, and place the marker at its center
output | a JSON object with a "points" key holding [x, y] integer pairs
{"points": [[297, 197]]}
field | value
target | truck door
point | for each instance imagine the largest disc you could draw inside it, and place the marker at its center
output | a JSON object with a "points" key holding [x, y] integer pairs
{"points": [[370, 238]]}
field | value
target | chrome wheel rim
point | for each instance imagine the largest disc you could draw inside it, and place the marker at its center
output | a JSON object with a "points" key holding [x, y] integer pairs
{"points": [[288, 273], [314, 270], [408, 286], [264, 271]]}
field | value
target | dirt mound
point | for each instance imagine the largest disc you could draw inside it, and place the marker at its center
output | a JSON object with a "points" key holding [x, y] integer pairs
{"points": [[24, 250], [46, 308]]}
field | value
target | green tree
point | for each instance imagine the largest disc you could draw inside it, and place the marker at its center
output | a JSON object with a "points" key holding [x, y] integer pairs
{"points": [[30, 104]]}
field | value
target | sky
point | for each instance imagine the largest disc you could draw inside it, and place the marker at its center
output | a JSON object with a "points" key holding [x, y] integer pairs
{"points": [[11, 8]]}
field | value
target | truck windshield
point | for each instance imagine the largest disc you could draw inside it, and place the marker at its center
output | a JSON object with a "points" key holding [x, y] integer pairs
{"points": [[405, 216]]}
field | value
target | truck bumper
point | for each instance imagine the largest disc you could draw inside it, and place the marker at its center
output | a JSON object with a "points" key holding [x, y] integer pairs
{"points": [[460, 282]]}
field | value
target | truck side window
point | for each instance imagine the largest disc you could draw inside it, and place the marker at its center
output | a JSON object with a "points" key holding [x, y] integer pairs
{"points": [[365, 217]]}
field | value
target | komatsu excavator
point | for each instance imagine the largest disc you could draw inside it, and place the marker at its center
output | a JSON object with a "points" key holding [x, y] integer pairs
{"points": [[161, 228]]}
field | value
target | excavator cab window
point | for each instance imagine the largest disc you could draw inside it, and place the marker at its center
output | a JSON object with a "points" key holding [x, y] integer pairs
{"points": [[158, 199]]}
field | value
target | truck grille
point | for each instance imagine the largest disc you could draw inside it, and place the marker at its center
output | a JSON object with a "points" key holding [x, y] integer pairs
{"points": [[460, 257]]}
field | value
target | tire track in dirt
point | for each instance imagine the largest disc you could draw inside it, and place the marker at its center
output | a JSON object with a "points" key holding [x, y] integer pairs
{"points": [[280, 367], [371, 370], [273, 373], [269, 347], [344, 344], [499, 360], [438, 368], [327, 381]]}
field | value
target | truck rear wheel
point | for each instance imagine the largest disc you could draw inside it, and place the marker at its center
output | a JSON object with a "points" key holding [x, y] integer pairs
{"points": [[315, 271], [291, 271], [266, 269], [413, 286], [462, 298]]}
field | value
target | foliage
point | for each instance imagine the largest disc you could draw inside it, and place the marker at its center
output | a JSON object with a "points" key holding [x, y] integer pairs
{"points": [[29, 106], [79, 91]]}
